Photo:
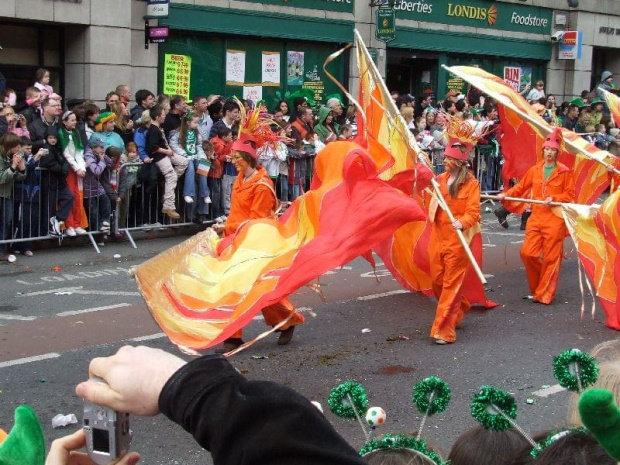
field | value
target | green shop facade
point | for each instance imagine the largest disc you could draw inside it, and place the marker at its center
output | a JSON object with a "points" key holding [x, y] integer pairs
{"points": [[415, 56], [254, 53]]}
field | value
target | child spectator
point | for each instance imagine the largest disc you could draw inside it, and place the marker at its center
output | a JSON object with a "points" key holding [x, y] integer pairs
{"points": [[222, 146], [12, 169], [312, 146], [602, 140], [73, 150], [590, 134], [298, 166], [439, 146], [282, 190], [42, 82], [127, 207], [55, 188], [16, 123], [112, 180], [187, 142], [147, 191], [26, 201], [346, 132], [105, 131], [33, 104], [123, 125], [489, 447], [270, 156], [96, 202]]}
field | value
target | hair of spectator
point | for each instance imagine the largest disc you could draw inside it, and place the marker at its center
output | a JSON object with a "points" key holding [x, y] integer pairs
{"points": [[310, 135], [162, 98], [207, 145], [479, 445], [9, 141], [198, 98], [156, 112], [397, 457], [215, 108], [176, 101], [131, 147], [110, 94], [142, 95], [47, 101], [120, 88], [32, 91], [113, 152], [223, 131], [91, 109], [575, 448], [460, 105], [40, 74], [235, 129], [230, 106], [345, 127], [25, 141]]}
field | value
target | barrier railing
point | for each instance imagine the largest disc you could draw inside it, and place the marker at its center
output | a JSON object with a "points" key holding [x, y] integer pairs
{"points": [[139, 208]]}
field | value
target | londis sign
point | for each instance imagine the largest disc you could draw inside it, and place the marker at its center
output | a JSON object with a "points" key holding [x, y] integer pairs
{"points": [[478, 14]]}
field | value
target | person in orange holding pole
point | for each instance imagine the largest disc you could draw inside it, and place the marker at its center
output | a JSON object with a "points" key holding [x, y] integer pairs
{"points": [[254, 197], [550, 181], [448, 259]]}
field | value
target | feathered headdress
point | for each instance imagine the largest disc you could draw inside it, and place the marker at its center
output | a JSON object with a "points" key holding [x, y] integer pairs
{"points": [[462, 135], [254, 130]]}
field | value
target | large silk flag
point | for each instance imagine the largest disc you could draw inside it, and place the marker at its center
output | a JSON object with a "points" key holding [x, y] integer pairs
{"points": [[596, 233], [524, 132], [613, 103], [405, 253]]}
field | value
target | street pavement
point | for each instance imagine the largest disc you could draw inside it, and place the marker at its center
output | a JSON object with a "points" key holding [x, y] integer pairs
{"points": [[61, 308]]}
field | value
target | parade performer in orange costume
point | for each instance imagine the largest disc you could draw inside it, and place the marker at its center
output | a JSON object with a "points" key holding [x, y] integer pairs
{"points": [[551, 181], [254, 197], [448, 259]]}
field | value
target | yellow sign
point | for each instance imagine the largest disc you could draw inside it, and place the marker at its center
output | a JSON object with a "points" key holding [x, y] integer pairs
{"points": [[177, 72], [474, 12]]}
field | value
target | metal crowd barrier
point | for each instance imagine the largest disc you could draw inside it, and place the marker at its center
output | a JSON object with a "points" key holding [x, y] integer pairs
{"points": [[487, 164], [141, 205]]}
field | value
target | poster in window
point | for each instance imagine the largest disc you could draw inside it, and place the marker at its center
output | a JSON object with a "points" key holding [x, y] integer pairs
{"points": [[253, 93], [512, 77], [177, 72], [271, 69], [235, 67], [294, 68]]}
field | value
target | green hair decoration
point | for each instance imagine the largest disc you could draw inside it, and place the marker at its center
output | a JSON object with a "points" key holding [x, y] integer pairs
{"points": [[575, 370], [341, 396], [399, 441], [493, 407]]}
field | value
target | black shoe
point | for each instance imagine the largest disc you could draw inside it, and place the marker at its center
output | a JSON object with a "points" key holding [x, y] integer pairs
{"points": [[286, 336], [526, 215], [501, 214], [229, 344]]}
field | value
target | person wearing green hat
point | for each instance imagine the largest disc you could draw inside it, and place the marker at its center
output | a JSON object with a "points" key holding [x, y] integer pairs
{"points": [[596, 111]]}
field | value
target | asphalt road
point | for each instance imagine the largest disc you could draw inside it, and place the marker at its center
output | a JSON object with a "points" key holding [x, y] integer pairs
{"points": [[63, 307]]}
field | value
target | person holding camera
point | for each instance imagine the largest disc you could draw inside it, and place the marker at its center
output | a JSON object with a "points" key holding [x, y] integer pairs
{"points": [[12, 169], [236, 419], [16, 123]]}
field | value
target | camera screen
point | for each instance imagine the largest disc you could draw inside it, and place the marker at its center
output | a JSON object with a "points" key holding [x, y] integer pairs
{"points": [[101, 441]]}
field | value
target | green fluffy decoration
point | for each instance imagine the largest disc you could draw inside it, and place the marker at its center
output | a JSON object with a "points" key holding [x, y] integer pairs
{"points": [[554, 436], [483, 411], [303, 92], [564, 369], [400, 441], [339, 403], [25, 444], [601, 415], [423, 390]]}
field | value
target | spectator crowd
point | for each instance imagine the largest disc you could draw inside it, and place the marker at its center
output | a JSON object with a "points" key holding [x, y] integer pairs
{"points": [[69, 167]]}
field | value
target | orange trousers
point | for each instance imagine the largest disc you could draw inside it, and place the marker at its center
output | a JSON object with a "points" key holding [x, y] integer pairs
{"points": [[542, 254], [276, 313], [77, 216], [449, 264]]}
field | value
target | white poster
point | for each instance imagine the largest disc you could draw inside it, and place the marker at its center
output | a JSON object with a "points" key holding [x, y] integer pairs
{"points": [[271, 69], [254, 93], [235, 67]]}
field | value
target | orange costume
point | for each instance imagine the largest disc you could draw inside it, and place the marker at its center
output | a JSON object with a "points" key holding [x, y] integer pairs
{"points": [[255, 198], [614, 178], [545, 232], [448, 259]]}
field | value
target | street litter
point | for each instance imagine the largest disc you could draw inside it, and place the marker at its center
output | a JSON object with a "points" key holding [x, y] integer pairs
{"points": [[56, 268], [117, 255], [63, 293], [530, 401], [397, 338], [365, 330], [259, 357], [11, 258], [61, 420]]}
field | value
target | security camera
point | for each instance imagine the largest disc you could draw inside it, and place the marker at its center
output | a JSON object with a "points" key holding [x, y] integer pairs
{"points": [[557, 36]]}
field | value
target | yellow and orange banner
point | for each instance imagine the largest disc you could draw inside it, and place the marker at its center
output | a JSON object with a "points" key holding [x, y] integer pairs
{"points": [[613, 103]]}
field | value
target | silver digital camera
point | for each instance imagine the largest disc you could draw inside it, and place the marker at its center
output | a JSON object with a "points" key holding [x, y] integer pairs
{"points": [[107, 432]]}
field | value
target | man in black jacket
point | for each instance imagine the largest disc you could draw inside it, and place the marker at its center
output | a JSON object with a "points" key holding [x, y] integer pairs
{"points": [[239, 421], [39, 126]]}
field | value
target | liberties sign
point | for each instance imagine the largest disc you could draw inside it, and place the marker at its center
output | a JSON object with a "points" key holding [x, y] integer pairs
{"points": [[385, 30]]}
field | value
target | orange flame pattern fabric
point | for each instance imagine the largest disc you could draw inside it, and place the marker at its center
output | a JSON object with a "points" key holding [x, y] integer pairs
{"points": [[613, 103], [596, 233], [524, 132]]}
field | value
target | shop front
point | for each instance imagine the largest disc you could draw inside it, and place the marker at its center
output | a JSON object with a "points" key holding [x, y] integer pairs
{"points": [[509, 40], [255, 54]]}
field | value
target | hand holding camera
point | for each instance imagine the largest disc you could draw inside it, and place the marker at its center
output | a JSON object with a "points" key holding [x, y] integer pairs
{"points": [[64, 452]]}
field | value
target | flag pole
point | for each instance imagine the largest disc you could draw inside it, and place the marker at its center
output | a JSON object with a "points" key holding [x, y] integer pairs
{"points": [[522, 200], [437, 192]]}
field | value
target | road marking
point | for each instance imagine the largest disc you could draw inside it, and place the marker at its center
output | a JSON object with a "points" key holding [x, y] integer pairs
{"points": [[516, 242], [149, 337], [94, 309], [36, 358], [489, 245], [383, 294], [546, 392], [498, 233], [489, 276], [79, 290], [17, 317]]}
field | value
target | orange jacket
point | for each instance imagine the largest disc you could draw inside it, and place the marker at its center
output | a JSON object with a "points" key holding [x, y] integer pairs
{"points": [[252, 199], [221, 149], [465, 207], [560, 186]]}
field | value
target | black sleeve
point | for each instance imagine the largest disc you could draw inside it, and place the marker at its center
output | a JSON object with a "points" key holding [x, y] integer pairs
{"points": [[243, 422], [152, 141], [4, 125]]}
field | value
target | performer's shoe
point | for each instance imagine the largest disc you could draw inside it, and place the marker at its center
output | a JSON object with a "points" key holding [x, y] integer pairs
{"points": [[286, 336], [524, 218], [528, 297], [442, 342], [229, 344], [501, 215]]}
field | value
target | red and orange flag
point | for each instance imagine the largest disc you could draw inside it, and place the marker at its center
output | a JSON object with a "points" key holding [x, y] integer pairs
{"points": [[596, 233], [613, 103]]}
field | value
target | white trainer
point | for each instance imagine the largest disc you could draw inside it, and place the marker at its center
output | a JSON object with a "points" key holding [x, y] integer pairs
{"points": [[188, 199]]}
